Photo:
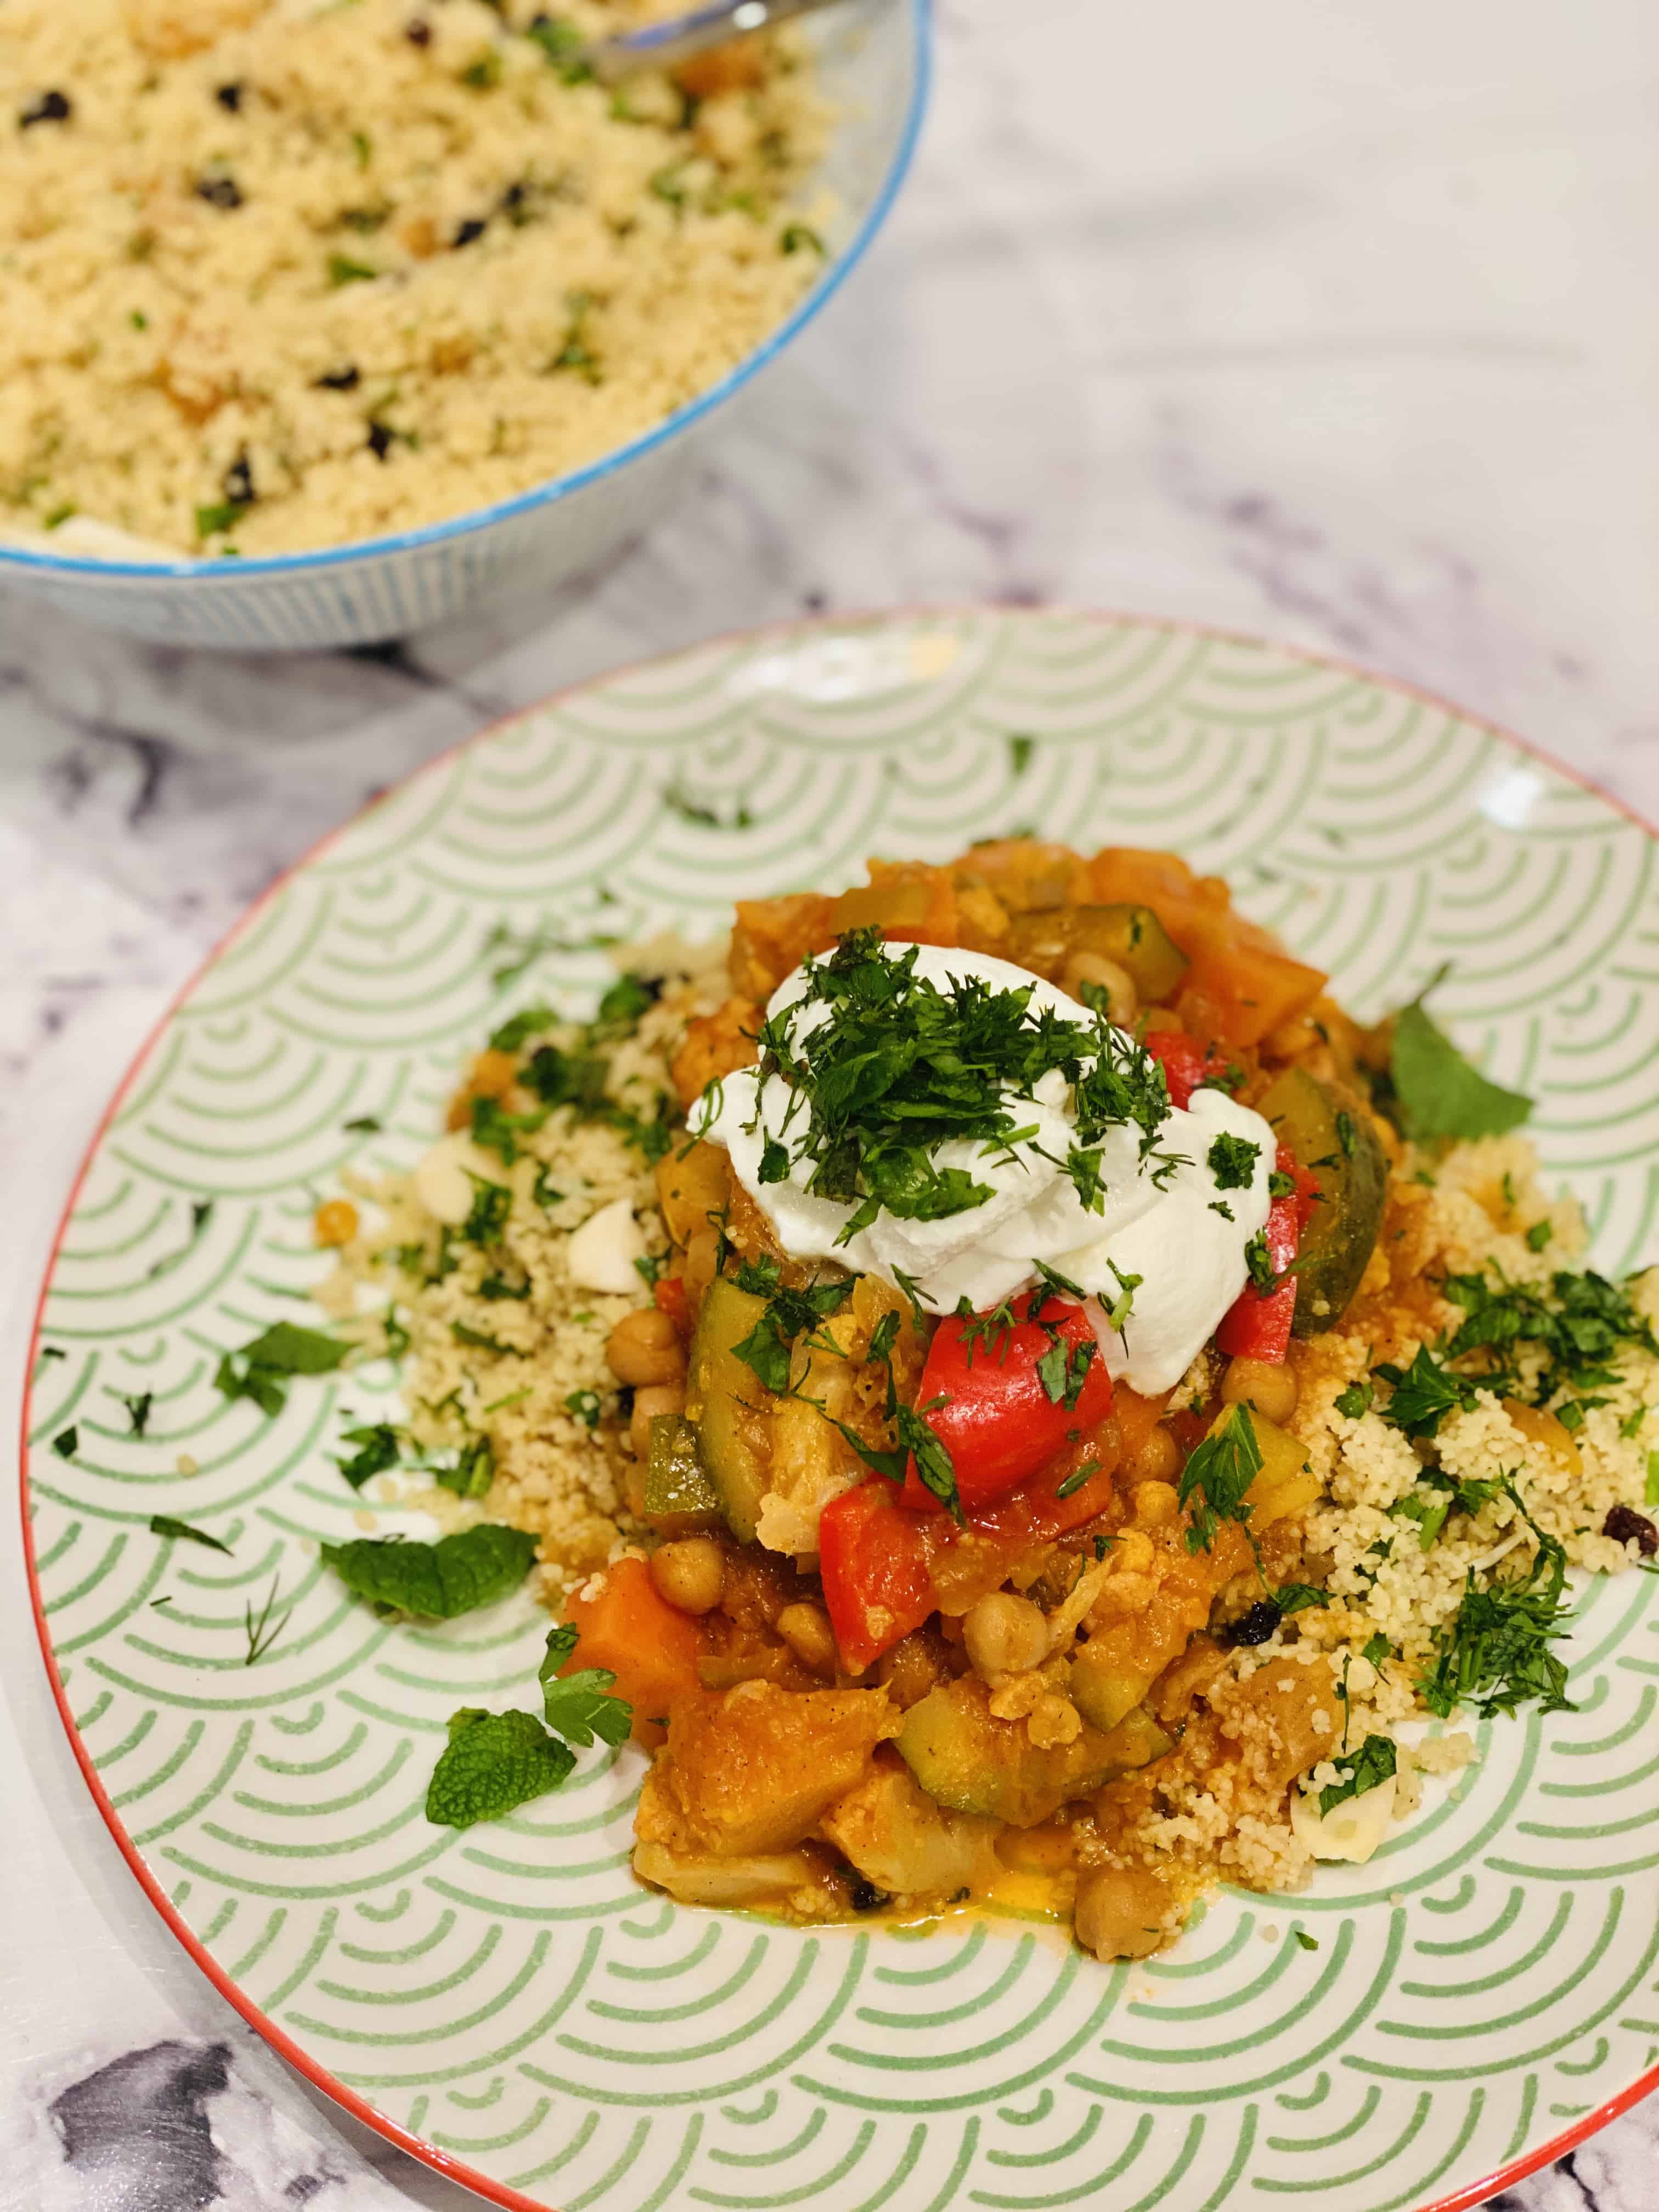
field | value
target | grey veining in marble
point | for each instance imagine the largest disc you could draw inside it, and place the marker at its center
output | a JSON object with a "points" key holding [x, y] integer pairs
{"points": [[1336, 325]]}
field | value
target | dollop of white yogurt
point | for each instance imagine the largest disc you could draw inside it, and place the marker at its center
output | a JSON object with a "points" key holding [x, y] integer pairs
{"points": [[1174, 1228]]}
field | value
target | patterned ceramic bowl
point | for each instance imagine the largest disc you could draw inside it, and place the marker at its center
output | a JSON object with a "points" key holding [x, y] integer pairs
{"points": [[874, 60], [506, 2001]]}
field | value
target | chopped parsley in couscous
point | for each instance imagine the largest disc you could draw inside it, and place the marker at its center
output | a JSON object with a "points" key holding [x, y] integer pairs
{"points": [[1020, 1401], [275, 276]]}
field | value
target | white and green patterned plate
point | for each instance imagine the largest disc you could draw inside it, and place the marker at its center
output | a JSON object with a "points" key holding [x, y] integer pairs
{"points": [[505, 2002]]}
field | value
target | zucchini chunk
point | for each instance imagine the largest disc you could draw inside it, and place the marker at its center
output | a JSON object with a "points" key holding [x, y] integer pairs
{"points": [[1335, 1140]]}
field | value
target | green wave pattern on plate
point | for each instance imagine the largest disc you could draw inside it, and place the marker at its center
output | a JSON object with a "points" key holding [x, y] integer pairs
{"points": [[509, 1993]]}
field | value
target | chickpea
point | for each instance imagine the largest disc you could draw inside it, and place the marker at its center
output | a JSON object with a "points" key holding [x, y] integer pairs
{"points": [[645, 1348], [1271, 1390], [806, 1629], [660, 1398], [1005, 1634], [1118, 985], [1157, 1459], [690, 1574], [335, 1222], [1120, 1912]]}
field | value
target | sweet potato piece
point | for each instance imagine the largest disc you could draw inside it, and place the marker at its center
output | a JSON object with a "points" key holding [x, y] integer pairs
{"points": [[755, 1769], [693, 1181], [714, 1045], [1284, 1720], [773, 936]]}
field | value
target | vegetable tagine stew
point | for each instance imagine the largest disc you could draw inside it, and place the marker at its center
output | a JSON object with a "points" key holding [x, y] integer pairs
{"points": [[1017, 1401]]}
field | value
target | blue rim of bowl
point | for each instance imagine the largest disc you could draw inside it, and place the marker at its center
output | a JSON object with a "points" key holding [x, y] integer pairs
{"points": [[189, 568]]}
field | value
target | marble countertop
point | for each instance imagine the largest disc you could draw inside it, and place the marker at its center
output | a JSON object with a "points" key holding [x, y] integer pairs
{"points": [[1328, 323]]}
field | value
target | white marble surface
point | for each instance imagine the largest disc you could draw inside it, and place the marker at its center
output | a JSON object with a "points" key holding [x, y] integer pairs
{"points": [[1336, 324]]}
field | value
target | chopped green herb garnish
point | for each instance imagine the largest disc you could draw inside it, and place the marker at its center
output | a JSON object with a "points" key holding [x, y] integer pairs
{"points": [[1298, 1597], [579, 1707], [473, 1472], [365, 1125], [1424, 1393], [1373, 1764], [1216, 1477], [1232, 1161], [583, 1406], [163, 1524], [1258, 1263], [138, 1411], [1355, 1402], [789, 1314], [377, 1450], [797, 235], [1496, 1656], [491, 1204], [1308, 1942], [519, 1027], [1540, 1235], [1377, 1649]]}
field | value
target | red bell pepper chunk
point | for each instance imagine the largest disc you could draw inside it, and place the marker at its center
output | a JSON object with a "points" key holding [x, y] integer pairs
{"points": [[1258, 1326], [668, 1294], [996, 1417], [873, 1562], [1186, 1063]]}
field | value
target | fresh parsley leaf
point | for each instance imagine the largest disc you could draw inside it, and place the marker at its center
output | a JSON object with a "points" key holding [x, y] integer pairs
{"points": [[163, 1524], [363, 1125], [1377, 1649], [773, 1161], [1495, 1655], [759, 1276], [934, 1465], [1123, 1304], [1423, 1394], [1061, 1286], [579, 1706], [988, 1334], [1075, 1480], [1539, 1236], [1280, 1185], [1217, 1475], [1258, 1261], [1020, 749], [491, 1204], [455, 1575], [1373, 1764], [377, 1450], [1232, 1161], [1308, 1942], [495, 1130], [789, 1314], [473, 1472], [1632, 1425], [1355, 1402], [497, 1288], [259, 1371], [567, 1078], [1438, 1092], [492, 1764], [583, 1406], [463, 1332]]}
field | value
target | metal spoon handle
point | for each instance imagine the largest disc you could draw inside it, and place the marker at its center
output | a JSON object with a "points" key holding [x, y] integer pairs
{"points": [[660, 46]]}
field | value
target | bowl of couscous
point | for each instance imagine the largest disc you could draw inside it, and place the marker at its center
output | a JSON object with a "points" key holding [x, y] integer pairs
{"points": [[318, 319]]}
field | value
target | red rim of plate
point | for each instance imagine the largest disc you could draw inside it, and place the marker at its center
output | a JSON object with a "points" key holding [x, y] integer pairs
{"points": [[496, 2192]]}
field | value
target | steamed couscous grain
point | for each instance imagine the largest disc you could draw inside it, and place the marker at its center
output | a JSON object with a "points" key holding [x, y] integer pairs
{"points": [[273, 278]]}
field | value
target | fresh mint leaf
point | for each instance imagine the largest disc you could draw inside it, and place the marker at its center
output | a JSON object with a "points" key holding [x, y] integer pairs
{"points": [[438, 1581], [492, 1764], [1373, 1763], [1439, 1093], [163, 1524], [259, 1371]]}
